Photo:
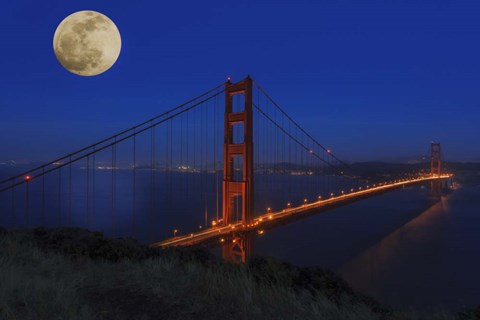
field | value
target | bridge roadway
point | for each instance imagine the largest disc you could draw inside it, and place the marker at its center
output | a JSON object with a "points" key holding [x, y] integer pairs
{"points": [[271, 219]]}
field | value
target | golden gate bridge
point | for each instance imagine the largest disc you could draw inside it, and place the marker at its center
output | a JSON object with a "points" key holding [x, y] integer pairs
{"points": [[218, 168]]}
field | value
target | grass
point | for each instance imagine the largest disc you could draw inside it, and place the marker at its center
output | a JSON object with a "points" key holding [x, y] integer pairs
{"points": [[77, 274]]}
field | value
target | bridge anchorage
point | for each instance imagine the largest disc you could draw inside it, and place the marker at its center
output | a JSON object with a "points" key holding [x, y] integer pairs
{"points": [[244, 165]]}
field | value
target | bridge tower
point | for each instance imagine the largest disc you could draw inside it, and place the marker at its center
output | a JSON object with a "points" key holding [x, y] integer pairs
{"points": [[435, 160], [239, 190]]}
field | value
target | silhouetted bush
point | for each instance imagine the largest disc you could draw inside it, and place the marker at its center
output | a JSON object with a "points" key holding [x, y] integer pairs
{"points": [[3, 231], [470, 314], [77, 243]]}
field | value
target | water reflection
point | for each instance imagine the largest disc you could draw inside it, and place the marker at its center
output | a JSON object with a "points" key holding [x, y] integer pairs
{"points": [[430, 262]]}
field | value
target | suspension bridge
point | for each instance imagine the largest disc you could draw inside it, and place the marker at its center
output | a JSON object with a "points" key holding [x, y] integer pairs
{"points": [[227, 163]]}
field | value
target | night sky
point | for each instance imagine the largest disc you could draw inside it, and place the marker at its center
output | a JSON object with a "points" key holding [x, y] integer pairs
{"points": [[372, 80]]}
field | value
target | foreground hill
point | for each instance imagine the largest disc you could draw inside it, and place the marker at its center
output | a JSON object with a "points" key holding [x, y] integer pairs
{"points": [[77, 274]]}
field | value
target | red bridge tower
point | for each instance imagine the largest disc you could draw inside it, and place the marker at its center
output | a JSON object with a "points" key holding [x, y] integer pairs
{"points": [[238, 190], [435, 160]]}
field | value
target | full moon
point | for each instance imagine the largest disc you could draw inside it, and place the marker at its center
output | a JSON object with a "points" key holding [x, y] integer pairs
{"points": [[87, 43]]}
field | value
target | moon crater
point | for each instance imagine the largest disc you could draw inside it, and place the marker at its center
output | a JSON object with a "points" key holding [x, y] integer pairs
{"points": [[87, 43]]}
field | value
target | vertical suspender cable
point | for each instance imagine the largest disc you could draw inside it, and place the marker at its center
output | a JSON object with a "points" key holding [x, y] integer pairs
{"points": [[93, 190], [88, 192], [43, 197], [27, 203], [134, 184], [70, 192], [112, 217], [13, 202], [59, 197]]}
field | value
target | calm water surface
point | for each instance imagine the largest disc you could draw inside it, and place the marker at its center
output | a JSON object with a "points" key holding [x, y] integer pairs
{"points": [[406, 248]]}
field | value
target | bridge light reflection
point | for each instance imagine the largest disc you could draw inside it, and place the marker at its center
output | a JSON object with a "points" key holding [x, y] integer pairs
{"points": [[261, 232]]}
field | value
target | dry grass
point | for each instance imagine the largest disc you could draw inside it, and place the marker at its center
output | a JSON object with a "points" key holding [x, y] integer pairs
{"points": [[39, 283]]}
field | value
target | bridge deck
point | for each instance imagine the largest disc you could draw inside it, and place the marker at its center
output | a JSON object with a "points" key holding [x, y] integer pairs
{"points": [[270, 219]]}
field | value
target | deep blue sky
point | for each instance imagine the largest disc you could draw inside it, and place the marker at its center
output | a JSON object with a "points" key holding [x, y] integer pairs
{"points": [[369, 79]]}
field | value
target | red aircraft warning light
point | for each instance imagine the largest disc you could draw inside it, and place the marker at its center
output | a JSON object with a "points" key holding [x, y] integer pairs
{"points": [[27, 178]]}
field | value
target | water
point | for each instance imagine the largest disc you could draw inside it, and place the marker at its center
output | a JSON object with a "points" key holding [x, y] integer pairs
{"points": [[431, 261], [407, 248]]}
